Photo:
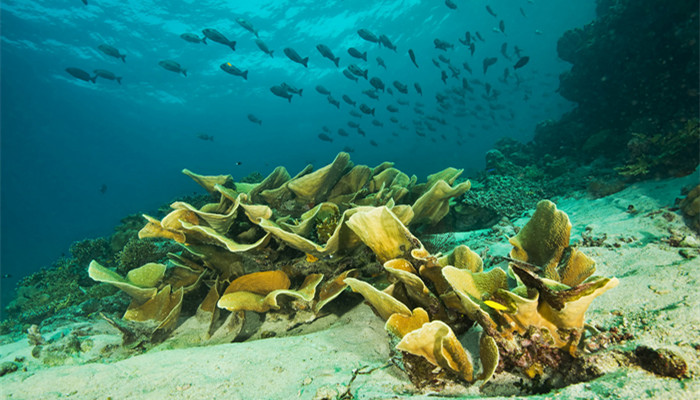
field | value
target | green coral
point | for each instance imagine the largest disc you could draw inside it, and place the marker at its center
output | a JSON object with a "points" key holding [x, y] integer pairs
{"points": [[138, 252]]}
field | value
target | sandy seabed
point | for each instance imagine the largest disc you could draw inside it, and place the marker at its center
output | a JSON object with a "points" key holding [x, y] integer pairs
{"points": [[657, 301]]}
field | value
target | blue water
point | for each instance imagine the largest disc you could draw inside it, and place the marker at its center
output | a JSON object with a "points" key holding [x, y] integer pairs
{"points": [[63, 138]]}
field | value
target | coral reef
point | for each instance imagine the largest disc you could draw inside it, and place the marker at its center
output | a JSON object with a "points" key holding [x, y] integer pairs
{"points": [[690, 207], [282, 247], [532, 328]]}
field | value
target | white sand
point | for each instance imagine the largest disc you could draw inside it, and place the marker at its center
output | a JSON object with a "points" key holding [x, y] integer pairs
{"points": [[657, 300]]}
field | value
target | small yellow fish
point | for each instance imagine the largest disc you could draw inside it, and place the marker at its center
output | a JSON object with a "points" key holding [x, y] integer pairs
{"points": [[495, 306], [311, 258]]}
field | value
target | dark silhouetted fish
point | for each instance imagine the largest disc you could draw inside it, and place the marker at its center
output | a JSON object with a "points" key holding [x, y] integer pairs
{"points": [[368, 36], [325, 137], [333, 101], [472, 47], [205, 137], [380, 62], [103, 73], [436, 63], [455, 71], [467, 39], [418, 88], [323, 90], [444, 59], [80, 74], [342, 132], [357, 53], [357, 70], [361, 132], [504, 50], [291, 89], [328, 53], [353, 124], [349, 75], [348, 149], [371, 93], [233, 70], [450, 4], [413, 57], [401, 87], [467, 67], [488, 61], [262, 46], [111, 51], [326, 129], [348, 100], [84, 2], [216, 36], [281, 92], [392, 108], [502, 26], [365, 109], [252, 118], [402, 102], [247, 26], [294, 56], [103, 190], [517, 51], [490, 11], [355, 114], [478, 36], [377, 123], [523, 12], [377, 83], [192, 38], [173, 66], [394, 120], [521, 62], [443, 76], [373, 143], [388, 90], [442, 45], [386, 42]]}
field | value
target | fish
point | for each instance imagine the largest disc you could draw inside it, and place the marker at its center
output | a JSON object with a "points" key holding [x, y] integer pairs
{"points": [[402, 102], [173, 66], [353, 124], [291, 89], [451, 5], [326, 129], [247, 26], [401, 87], [478, 36], [521, 62], [103, 73], [388, 90], [349, 75], [394, 120], [444, 77], [365, 109], [281, 92], [472, 47], [252, 118], [368, 36], [413, 57], [467, 39], [488, 61], [262, 46], [506, 73], [377, 123], [444, 59], [523, 12], [487, 87], [377, 83], [380, 62], [342, 132], [328, 53], [418, 111], [111, 51], [373, 143], [504, 50], [392, 108], [357, 53], [467, 67], [371, 93], [357, 71], [361, 132], [443, 45], [348, 100], [333, 101], [517, 50], [436, 63], [502, 26], [495, 306], [386, 42], [355, 114], [193, 38], [85, 2], [325, 137], [205, 137], [420, 133], [218, 37], [294, 56], [455, 71], [419, 90], [323, 90], [233, 70], [348, 149], [103, 190], [465, 84], [490, 11]]}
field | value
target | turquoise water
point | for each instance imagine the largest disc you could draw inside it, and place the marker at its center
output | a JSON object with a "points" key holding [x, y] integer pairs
{"points": [[77, 156]]}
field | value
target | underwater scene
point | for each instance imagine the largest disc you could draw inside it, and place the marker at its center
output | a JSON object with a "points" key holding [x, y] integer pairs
{"points": [[345, 199]]}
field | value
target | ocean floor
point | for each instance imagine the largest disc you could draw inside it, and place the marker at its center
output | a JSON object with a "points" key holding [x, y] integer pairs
{"points": [[633, 235]]}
